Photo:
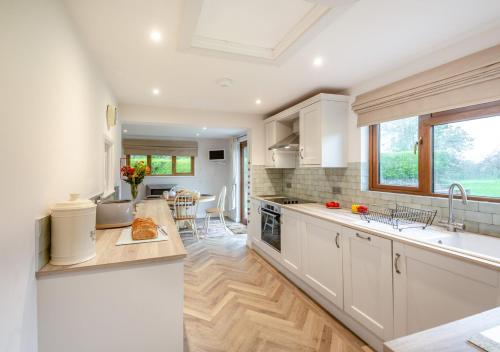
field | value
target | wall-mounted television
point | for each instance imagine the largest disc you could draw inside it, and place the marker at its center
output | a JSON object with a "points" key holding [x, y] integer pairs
{"points": [[217, 155]]}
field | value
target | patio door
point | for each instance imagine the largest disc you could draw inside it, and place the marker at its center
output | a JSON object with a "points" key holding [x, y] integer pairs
{"points": [[244, 182]]}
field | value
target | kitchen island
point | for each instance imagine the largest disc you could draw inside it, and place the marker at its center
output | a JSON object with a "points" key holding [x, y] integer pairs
{"points": [[127, 298]]}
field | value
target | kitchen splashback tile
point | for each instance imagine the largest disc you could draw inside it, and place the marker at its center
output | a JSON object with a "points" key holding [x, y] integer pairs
{"points": [[42, 241], [350, 185]]}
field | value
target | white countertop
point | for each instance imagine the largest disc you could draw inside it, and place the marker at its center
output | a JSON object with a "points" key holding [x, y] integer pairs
{"points": [[416, 236]]}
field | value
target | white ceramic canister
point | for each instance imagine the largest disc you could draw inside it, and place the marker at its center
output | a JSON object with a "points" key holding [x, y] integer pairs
{"points": [[73, 231]]}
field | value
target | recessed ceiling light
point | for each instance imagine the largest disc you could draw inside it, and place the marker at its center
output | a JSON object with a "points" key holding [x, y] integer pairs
{"points": [[318, 61], [156, 91], [125, 131], [204, 127], [155, 36], [258, 102]]}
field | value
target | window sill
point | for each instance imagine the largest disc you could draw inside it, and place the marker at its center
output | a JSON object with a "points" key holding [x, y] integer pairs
{"points": [[435, 195]]}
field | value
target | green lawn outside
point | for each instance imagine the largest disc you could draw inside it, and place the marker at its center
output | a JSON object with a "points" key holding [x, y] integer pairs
{"points": [[183, 164], [478, 187]]}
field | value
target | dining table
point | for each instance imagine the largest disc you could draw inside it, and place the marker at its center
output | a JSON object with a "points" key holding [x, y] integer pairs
{"points": [[204, 198]]}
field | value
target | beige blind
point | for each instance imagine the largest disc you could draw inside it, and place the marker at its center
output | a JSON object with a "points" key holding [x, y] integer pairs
{"points": [[160, 147], [473, 79]]}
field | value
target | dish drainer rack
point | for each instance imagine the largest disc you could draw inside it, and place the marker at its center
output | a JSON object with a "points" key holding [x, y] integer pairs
{"points": [[401, 217]]}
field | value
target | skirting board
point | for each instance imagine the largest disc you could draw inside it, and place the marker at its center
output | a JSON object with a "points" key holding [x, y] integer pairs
{"points": [[371, 339]]}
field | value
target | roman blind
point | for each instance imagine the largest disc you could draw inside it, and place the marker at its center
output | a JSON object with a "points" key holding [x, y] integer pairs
{"points": [[160, 147], [471, 80]]}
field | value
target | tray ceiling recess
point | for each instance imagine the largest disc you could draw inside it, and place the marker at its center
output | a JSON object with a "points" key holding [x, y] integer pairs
{"points": [[258, 30]]}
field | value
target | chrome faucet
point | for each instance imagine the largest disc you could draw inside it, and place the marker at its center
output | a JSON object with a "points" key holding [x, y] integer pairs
{"points": [[451, 225]]}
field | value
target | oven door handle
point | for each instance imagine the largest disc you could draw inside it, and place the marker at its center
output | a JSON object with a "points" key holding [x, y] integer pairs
{"points": [[270, 213]]}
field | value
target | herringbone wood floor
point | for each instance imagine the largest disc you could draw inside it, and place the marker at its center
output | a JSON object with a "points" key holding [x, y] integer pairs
{"points": [[236, 301]]}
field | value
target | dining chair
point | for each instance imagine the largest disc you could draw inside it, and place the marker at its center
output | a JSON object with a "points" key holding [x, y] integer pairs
{"points": [[185, 208], [218, 211]]}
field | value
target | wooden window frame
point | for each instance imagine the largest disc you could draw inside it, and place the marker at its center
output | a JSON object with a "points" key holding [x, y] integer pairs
{"points": [[174, 167], [425, 167]]}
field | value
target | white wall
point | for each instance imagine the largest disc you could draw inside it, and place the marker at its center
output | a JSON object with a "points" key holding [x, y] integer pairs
{"points": [[209, 176], [52, 132], [197, 118]]}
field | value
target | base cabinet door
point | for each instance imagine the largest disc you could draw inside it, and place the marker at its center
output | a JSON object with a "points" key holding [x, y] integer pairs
{"points": [[254, 220], [368, 295], [322, 258], [431, 289], [291, 241]]}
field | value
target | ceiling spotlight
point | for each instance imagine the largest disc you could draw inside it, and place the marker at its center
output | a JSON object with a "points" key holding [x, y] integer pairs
{"points": [[156, 91], [205, 127], [258, 102], [125, 131], [155, 36], [318, 61]]}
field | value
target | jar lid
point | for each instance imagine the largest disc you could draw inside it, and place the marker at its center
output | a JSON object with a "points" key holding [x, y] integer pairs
{"points": [[73, 203]]}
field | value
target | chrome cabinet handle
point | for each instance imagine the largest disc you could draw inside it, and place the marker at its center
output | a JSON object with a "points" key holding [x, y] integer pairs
{"points": [[301, 153], [368, 238], [396, 263], [274, 157], [337, 240]]}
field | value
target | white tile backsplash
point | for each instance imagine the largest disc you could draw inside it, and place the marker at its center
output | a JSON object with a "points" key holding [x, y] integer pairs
{"points": [[348, 185]]}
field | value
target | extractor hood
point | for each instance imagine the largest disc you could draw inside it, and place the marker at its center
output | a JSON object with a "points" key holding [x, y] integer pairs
{"points": [[289, 143]]}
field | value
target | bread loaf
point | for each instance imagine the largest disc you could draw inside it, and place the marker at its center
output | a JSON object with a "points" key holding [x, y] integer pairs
{"points": [[144, 229]]}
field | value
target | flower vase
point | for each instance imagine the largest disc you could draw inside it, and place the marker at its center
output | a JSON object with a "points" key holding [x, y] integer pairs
{"points": [[134, 189]]}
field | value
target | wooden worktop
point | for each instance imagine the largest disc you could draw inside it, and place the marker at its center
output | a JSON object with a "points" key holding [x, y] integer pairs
{"points": [[451, 337], [108, 254]]}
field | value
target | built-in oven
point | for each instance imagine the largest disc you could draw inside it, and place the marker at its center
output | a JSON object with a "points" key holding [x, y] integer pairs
{"points": [[270, 215]]}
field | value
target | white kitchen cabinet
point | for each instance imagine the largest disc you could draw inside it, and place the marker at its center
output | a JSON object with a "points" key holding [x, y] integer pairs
{"points": [[291, 241], [253, 225], [431, 289], [322, 258], [323, 133], [274, 132], [310, 135], [368, 291]]}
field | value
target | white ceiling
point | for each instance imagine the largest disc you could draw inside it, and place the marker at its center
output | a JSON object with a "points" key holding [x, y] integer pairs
{"points": [[178, 131], [257, 31], [245, 21], [368, 39]]}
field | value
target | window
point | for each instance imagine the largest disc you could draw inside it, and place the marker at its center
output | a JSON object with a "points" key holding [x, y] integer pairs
{"points": [[165, 165], [161, 165], [425, 154]]}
